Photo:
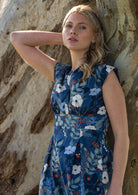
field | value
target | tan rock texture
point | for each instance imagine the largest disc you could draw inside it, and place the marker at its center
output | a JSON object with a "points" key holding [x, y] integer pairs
{"points": [[120, 20], [26, 118]]}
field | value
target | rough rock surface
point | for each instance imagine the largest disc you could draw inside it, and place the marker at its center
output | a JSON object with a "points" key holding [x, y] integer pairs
{"points": [[26, 118], [120, 22]]}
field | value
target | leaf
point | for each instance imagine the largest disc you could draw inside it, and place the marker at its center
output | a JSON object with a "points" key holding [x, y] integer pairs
{"points": [[74, 186], [89, 160], [77, 180], [60, 143]]}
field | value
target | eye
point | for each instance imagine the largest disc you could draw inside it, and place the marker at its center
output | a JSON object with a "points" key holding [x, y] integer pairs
{"points": [[82, 27], [68, 25]]}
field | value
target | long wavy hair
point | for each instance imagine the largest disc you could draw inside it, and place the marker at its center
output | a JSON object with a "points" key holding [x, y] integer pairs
{"points": [[97, 50]]}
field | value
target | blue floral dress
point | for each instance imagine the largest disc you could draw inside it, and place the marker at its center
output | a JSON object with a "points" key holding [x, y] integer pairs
{"points": [[78, 160]]}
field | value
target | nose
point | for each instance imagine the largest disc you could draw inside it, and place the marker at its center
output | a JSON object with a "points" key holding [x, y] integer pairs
{"points": [[73, 31]]}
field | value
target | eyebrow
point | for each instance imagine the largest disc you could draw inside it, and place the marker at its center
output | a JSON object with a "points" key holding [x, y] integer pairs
{"points": [[78, 23]]}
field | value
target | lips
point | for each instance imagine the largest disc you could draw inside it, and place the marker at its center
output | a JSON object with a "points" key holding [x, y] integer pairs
{"points": [[72, 39]]}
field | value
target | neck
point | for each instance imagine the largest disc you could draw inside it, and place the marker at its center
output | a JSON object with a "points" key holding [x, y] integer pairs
{"points": [[77, 58]]}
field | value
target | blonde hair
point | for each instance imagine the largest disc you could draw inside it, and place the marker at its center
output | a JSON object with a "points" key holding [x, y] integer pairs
{"points": [[96, 52]]}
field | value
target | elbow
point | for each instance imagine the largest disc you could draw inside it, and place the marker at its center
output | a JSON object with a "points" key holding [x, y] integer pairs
{"points": [[12, 37]]}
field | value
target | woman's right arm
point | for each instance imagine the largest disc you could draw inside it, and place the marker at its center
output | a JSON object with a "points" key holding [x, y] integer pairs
{"points": [[26, 42]]}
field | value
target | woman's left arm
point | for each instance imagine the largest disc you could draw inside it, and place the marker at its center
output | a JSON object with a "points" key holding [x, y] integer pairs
{"points": [[114, 100]]}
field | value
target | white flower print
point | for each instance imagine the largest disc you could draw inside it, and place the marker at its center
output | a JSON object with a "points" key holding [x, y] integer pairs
{"points": [[60, 88], [45, 167], [68, 79], [94, 91], [101, 110], [59, 121], [81, 133], [65, 134], [100, 167], [90, 127], [76, 169], [105, 178], [70, 149], [77, 101], [66, 109], [109, 68], [106, 191], [62, 106]]}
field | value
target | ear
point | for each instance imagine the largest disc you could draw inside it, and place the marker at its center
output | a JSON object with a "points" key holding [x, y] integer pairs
{"points": [[94, 38]]}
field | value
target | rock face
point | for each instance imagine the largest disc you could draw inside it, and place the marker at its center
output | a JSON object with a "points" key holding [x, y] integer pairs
{"points": [[26, 118], [120, 22]]}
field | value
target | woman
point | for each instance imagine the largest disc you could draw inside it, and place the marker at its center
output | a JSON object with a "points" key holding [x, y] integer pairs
{"points": [[85, 96]]}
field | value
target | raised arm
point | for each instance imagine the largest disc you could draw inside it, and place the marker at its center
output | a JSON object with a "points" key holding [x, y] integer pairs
{"points": [[115, 104], [26, 42]]}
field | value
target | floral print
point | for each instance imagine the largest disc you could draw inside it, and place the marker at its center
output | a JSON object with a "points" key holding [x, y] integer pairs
{"points": [[101, 110], [70, 149], [105, 178], [78, 160], [68, 79], [77, 100], [60, 88], [45, 166], [90, 127], [94, 91], [100, 167], [109, 68], [76, 169]]}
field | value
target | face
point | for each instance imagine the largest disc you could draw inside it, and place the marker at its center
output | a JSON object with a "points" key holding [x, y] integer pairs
{"points": [[78, 33]]}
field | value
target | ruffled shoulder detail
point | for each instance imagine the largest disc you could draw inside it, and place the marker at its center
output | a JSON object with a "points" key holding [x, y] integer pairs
{"points": [[60, 70], [103, 70]]}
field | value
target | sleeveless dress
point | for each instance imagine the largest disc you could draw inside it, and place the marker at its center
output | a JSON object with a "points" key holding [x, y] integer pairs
{"points": [[78, 160]]}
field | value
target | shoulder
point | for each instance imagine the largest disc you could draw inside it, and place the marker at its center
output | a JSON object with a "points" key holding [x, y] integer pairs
{"points": [[61, 65], [102, 70], [60, 69], [101, 67]]}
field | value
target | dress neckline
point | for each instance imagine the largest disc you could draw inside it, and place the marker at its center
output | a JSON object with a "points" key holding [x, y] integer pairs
{"points": [[74, 70]]}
